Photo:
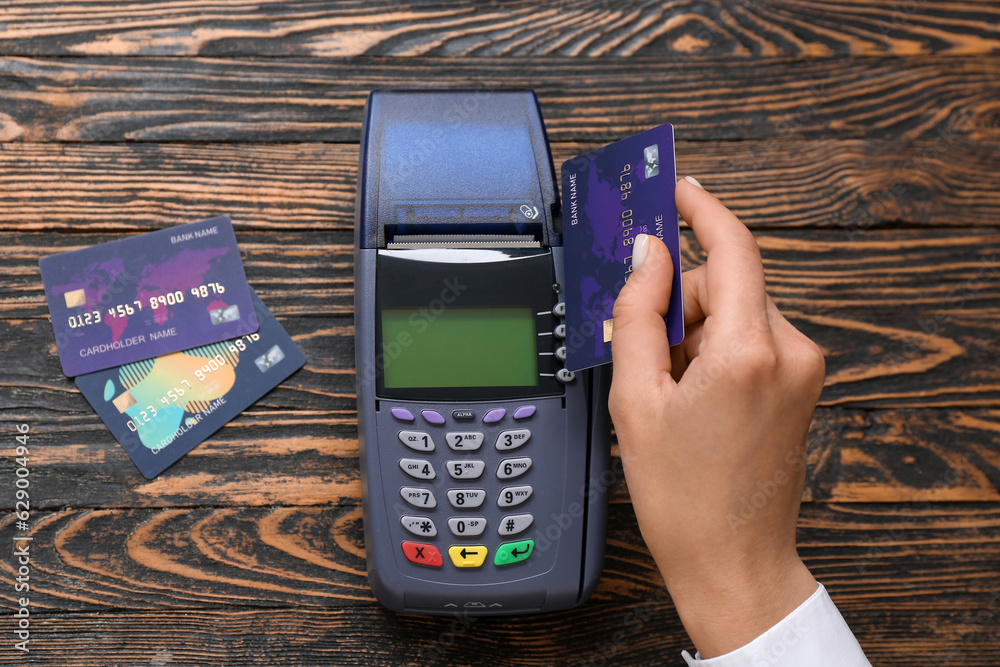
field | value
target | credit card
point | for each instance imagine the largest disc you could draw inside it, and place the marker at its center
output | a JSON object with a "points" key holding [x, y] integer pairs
{"points": [[610, 196], [160, 409], [147, 295]]}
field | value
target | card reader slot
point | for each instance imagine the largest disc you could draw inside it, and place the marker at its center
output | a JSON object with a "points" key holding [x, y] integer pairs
{"points": [[464, 241]]}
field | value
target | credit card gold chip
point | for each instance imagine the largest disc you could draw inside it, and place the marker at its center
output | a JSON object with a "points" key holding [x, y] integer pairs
{"points": [[124, 401], [75, 298]]}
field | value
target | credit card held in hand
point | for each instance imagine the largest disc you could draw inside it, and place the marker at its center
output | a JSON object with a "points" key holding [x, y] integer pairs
{"points": [[610, 196], [160, 409], [147, 295]]}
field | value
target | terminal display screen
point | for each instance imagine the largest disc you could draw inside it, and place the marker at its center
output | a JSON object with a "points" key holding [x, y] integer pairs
{"points": [[459, 347]]}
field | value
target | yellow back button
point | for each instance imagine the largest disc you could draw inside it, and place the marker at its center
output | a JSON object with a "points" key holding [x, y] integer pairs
{"points": [[468, 556]]}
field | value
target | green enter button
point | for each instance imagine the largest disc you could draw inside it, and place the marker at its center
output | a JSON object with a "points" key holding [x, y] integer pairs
{"points": [[513, 552]]}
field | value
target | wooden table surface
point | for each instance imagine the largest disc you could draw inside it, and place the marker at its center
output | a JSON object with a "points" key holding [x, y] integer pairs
{"points": [[860, 141]]}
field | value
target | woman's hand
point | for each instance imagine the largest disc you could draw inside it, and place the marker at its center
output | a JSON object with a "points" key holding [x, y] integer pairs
{"points": [[713, 432]]}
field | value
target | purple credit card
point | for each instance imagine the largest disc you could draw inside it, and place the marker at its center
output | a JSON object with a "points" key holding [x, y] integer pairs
{"points": [[610, 196], [147, 295]]}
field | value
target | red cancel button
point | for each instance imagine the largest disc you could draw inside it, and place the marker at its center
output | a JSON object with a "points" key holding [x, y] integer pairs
{"points": [[422, 554]]}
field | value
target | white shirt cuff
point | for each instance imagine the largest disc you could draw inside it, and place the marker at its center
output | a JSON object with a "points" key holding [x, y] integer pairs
{"points": [[814, 634]]}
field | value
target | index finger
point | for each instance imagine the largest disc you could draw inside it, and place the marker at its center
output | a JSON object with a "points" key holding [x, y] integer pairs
{"points": [[732, 288]]}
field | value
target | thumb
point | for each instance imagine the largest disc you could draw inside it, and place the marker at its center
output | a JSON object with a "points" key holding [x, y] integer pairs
{"points": [[639, 346]]}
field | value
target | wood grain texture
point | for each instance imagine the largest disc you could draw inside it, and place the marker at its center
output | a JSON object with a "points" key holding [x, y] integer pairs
{"points": [[302, 557], [296, 100], [859, 142], [946, 631], [674, 29], [855, 186], [287, 586], [298, 446]]}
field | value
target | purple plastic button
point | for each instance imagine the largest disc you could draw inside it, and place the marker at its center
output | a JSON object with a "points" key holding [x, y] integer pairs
{"points": [[493, 416], [524, 412], [402, 414], [432, 416]]}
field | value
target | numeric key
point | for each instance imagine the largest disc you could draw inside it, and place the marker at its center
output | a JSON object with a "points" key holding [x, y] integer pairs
{"points": [[508, 440], [417, 468], [418, 441], [418, 497], [464, 442]]}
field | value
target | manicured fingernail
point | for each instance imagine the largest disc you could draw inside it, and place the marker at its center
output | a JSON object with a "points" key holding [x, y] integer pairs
{"points": [[639, 249], [693, 181]]}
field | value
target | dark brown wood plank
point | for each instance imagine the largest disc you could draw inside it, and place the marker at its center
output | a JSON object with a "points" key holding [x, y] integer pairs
{"points": [[294, 100], [675, 29], [132, 187], [294, 577], [855, 185], [280, 452], [313, 557], [896, 633]]}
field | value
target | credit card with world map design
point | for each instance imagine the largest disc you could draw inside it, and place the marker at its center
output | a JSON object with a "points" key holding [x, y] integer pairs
{"points": [[610, 196], [147, 295]]}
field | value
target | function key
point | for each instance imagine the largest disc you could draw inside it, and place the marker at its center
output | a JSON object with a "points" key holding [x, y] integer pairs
{"points": [[463, 415], [417, 441], [402, 414], [565, 375], [559, 310], [419, 525], [468, 556], [432, 417], [513, 439], [418, 497], [464, 442], [512, 524], [466, 469], [422, 554], [495, 415], [417, 468], [472, 526], [466, 498], [513, 495], [561, 353], [524, 412], [513, 552], [559, 331]]}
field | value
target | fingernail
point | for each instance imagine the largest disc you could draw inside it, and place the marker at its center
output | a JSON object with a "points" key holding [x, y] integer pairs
{"points": [[693, 181], [639, 249]]}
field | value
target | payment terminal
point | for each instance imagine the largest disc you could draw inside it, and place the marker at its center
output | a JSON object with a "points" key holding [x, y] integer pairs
{"points": [[484, 460]]}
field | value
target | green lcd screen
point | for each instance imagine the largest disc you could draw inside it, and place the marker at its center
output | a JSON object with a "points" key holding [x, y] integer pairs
{"points": [[459, 347]]}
